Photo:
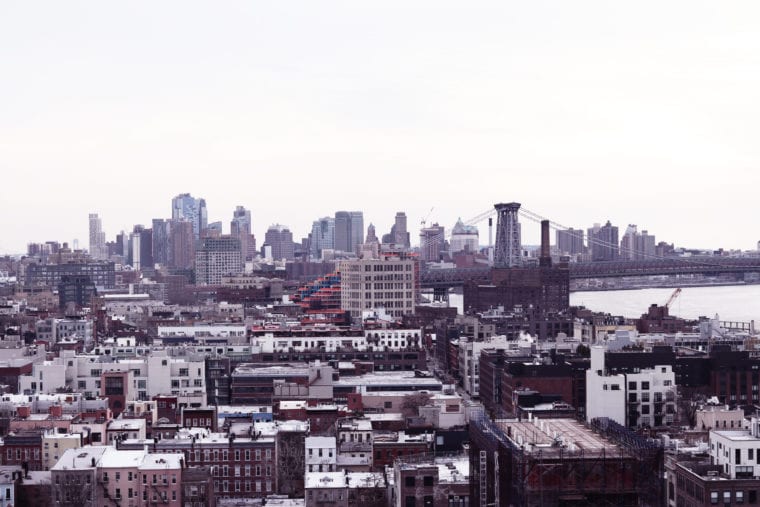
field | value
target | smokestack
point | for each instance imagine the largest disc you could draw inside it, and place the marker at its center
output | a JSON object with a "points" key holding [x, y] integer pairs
{"points": [[546, 255]]}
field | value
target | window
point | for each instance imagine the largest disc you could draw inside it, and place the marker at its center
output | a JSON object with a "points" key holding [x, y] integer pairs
{"points": [[427, 481], [410, 501], [645, 386], [409, 481]]}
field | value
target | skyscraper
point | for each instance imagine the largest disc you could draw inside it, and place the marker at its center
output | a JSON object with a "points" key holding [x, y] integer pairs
{"points": [[191, 209], [603, 242], [97, 238], [322, 236], [570, 241], [240, 228], [400, 233], [141, 249], [432, 243], [349, 230], [182, 244], [280, 240], [162, 241], [357, 230]]}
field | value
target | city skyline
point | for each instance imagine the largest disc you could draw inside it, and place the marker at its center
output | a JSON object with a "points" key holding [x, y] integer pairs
{"points": [[583, 112]]}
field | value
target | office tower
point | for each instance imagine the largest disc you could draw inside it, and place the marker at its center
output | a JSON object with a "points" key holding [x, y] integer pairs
{"points": [[371, 236], [280, 240], [162, 241], [399, 231], [603, 242], [187, 207], [240, 228], [570, 241], [508, 248], [216, 258], [322, 236], [628, 243], [342, 231], [97, 238], [464, 238], [357, 230], [182, 244], [432, 243], [349, 230], [645, 246], [141, 248]]}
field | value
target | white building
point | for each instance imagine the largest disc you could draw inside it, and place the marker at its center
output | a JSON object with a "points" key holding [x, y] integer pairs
{"points": [[737, 451], [156, 374], [201, 332], [321, 454], [464, 238], [605, 394], [54, 330], [646, 398], [380, 339], [388, 282], [469, 360]]}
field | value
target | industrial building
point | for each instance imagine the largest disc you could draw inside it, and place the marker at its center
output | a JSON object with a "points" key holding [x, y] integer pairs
{"points": [[560, 462]]}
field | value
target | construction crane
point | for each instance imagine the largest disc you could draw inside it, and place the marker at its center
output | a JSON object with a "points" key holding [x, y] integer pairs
{"points": [[673, 297], [424, 219]]}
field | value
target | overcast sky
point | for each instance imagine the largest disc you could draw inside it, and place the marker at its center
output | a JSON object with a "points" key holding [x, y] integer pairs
{"points": [[643, 112]]}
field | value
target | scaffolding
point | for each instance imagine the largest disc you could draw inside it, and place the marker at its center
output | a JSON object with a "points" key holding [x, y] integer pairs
{"points": [[533, 464]]}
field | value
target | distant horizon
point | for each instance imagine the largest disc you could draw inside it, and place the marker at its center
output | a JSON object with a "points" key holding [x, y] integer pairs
{"points": [[582, 111], [533, 232]]}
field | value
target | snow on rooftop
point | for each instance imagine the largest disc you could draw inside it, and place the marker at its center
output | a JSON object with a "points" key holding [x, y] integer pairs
{"points": [[321, 480]]}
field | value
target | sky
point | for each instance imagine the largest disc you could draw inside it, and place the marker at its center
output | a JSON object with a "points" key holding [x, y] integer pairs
{"points": [[640, 113]]}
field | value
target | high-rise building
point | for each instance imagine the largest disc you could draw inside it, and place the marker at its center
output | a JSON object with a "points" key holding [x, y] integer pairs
{"points": [[182, 244], [349, 230], [628, 243], [162, 241], [187, 207], [322, 236], [603, 242], [240, 228], [217, 257], [432, 243], [97, 238], [357, 230], [280, 240], [464, 238], [141, 248], [399, 230], [570, 241], [645, 246], [396, 296], [637, 246]]}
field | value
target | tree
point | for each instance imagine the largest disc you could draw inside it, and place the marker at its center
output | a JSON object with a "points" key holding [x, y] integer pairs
{"points": [[410, 405], [583, 350]]}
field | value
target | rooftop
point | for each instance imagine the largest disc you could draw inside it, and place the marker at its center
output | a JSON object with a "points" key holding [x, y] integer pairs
{"points": [[548, 434], [323, 480]]}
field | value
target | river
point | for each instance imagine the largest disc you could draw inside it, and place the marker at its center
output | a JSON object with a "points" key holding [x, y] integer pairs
{"points": [[731, 302]]}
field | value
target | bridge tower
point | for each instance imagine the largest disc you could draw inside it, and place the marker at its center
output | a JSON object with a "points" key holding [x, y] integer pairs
{"points": [[508, 249]]}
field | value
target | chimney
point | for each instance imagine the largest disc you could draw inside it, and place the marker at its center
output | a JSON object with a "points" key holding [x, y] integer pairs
{"points": [[546, 255]]}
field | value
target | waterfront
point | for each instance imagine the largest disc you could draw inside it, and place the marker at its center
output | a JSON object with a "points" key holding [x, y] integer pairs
{"points": [[730, 302], [734, 303]]}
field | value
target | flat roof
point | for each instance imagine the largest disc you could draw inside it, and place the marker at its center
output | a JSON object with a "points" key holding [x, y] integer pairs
{"points": [[536, 435], [344, 480]]}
